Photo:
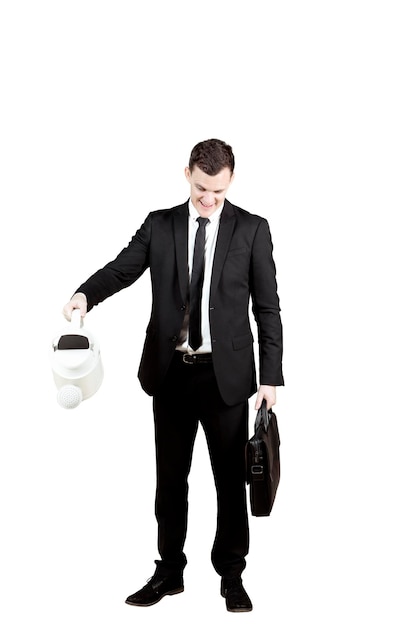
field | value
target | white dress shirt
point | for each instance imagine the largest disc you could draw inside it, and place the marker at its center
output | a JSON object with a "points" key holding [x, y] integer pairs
{"points": [[212, 229]]}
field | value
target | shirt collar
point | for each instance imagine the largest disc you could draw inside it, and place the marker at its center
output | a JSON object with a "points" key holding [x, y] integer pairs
{"points": [[194, 214]]}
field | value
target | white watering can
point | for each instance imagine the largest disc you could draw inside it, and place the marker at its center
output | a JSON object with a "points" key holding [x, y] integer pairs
{"points": [[76, 364]]}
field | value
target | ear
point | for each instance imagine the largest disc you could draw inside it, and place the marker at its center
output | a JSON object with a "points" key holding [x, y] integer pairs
{"points": [[187, 173]]}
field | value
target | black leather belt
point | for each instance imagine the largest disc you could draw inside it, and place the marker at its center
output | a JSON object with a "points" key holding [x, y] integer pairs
{"points": [[195, 359]]}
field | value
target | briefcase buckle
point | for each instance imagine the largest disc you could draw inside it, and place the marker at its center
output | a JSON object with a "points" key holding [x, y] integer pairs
{"points": [[257, 470]]}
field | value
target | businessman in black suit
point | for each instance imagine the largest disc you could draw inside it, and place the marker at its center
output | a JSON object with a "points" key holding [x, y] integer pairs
{"points": [[208, 261]]}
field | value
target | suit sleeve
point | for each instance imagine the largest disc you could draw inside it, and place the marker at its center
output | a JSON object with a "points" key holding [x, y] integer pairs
{"points": [[123, 271], [266, 308]]}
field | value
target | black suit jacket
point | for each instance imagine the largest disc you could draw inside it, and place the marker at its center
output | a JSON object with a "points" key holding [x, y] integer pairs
{"points": [[243, 272]]}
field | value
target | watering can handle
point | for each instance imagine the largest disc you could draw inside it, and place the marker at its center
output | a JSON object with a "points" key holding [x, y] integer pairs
{"points": [[76, 320]]}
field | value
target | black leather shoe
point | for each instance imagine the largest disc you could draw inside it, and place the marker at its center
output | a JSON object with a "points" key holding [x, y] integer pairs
{"points": [[237, 600], [157, 587]]}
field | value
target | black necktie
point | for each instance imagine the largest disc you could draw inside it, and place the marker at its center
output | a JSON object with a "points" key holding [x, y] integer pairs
{"points": [[196, 285]]}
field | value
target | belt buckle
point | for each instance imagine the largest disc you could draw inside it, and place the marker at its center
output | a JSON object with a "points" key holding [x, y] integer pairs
{"points": [[188, 359]]}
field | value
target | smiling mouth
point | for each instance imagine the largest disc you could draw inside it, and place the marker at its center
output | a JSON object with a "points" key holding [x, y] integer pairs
{"points": [[206, 206]]}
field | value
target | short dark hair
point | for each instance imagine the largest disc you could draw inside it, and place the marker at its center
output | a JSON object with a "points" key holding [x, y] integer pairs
{"points": [[212, 156]]}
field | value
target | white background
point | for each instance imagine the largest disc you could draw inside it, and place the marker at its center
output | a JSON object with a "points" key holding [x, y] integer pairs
{"points": [[101, 103]]}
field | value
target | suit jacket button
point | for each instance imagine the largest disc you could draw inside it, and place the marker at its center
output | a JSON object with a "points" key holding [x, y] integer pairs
{"points": [[174, 338], [183, 307]]}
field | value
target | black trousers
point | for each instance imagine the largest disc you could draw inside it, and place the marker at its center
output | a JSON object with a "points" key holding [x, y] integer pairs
{"points": [[190, 396]]}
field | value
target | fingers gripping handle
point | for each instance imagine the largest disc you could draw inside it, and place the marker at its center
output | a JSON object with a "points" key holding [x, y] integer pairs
{"points": [[76, 320], [263, 416]]}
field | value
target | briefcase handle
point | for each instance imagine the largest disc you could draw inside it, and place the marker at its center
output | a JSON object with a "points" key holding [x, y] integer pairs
{"points": [[263, 417]]}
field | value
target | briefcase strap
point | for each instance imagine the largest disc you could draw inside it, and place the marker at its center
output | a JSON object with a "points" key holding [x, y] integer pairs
{"points": [[263, 416]]}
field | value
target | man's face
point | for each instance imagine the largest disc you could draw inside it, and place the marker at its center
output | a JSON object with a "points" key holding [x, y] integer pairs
{"points": [[208, 192]]}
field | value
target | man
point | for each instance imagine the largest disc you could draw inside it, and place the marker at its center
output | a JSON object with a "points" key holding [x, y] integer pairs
{"points": [[207, 260]]}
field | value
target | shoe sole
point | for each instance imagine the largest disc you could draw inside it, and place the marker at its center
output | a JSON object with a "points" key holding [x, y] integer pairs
{"points": [[173, 592]]}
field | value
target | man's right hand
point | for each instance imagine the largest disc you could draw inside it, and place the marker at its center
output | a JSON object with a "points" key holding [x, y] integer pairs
{"points": [[78, 301]]}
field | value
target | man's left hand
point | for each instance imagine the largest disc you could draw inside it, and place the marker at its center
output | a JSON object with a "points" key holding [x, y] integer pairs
{"points": [[268, 393]]}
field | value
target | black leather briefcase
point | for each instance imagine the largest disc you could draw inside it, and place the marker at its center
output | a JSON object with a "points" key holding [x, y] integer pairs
{"points": [[263, 467]]}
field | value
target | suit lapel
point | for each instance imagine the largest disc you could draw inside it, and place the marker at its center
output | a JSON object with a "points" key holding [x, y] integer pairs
{"points": [[181, 247], [226, 227]]}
